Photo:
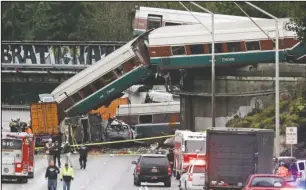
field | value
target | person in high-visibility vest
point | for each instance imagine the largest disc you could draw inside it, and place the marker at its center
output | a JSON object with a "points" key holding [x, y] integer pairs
{"points": [[66, 175], [282, 170]]}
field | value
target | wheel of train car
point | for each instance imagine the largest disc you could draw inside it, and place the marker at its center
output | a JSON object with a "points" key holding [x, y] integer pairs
{"points": [[31, 175]]}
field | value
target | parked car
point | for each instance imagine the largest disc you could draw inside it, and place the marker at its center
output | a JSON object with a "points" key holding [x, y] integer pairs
{"points": [[267, 181], [152, 168], [194, 176], [117, 130], [301, 172]]}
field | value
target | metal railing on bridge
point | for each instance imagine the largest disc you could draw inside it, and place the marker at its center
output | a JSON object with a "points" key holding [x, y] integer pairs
{"points": [[58, 56]]}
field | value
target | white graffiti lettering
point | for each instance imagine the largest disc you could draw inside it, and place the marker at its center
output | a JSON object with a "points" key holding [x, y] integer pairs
{"points": [[55, 54]]}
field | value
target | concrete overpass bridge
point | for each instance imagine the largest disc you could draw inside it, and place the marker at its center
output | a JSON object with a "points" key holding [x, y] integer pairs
{"points": [[53, 61]]}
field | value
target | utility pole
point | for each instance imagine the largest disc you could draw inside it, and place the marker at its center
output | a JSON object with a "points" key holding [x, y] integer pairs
{"points": [[213, 78], [277, 150]]}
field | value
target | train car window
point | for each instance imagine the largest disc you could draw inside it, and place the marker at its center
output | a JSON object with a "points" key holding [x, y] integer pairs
{"points": [[145, 119], [119, 70], [234, 47], [218, 48], [153, 24], [178, 50], [98, 84], [108, 78], [87, 91], [172, 24], [197, 49], [154, 21], [76, 97], [129, 65], [252, 46]]}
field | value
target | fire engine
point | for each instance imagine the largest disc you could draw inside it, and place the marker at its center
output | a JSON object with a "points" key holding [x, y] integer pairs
{"points": [[17, 156], [189, 146]]}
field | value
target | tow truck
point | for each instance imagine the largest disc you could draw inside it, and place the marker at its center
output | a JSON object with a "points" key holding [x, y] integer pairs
{"points": [[17, 156], [188, 146]]}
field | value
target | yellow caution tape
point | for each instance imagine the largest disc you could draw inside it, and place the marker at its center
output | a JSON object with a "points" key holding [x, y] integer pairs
{"points": [[115, 142], [122, 141]]}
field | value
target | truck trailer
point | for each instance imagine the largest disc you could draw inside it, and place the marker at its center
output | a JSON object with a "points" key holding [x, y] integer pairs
{"points": [[233, 154]]}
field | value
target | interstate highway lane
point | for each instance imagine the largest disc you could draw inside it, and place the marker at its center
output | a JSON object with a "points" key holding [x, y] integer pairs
{"points": [[102, 173]]}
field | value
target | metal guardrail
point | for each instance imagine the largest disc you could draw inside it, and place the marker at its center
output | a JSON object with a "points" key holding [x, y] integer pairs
{"points": [[15, 107], [66, 43], [43, 66]]}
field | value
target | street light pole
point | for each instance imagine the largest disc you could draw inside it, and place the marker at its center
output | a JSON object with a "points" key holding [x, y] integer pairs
{"points": [[277, 151], [213, 78]]}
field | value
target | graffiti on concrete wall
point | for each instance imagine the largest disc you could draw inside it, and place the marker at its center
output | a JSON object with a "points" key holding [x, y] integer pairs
{"points": [[54, 53]]}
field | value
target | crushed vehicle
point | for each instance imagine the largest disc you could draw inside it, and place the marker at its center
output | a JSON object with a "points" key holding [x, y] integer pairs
{"points": [[118, 130]]}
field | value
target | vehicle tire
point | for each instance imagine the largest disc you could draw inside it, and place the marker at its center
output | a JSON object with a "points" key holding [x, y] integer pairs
{"points": [[178, 175], [22, 180], [137, 182], [25, 180], [31, 175], [168, 183]]}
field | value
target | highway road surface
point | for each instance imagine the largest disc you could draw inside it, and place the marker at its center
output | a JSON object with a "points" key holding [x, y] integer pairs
{"points": [[102, 173]]}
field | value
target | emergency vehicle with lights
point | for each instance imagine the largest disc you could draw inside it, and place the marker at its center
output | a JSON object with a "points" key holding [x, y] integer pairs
{"points": [[193, 178], [188, 146], [17, 156]]}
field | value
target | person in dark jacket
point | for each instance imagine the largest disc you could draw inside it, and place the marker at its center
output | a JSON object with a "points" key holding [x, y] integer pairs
{"points": [[170, 157], [67, 152], [51, 174], [83, 156], [57, 153]]}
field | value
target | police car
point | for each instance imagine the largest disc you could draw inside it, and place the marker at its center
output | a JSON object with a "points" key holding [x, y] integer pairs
{"points": [[193, 177]]}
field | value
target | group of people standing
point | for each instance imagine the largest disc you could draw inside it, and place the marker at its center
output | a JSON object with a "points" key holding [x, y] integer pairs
{"points": [[53, 150]]}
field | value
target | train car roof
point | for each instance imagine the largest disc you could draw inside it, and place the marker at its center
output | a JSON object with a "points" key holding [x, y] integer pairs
{"points": [[171, 15], [234, 31]]}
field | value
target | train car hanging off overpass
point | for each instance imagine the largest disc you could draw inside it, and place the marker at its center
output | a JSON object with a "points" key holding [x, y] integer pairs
{"points": [[106, 80], [236, 43]]}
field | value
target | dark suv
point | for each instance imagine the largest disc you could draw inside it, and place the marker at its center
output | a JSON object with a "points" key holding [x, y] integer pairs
{"points": [[152, 168]]}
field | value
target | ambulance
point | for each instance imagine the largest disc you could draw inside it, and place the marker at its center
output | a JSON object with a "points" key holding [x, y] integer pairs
{"points": [[17, 156], [189, 146]]}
